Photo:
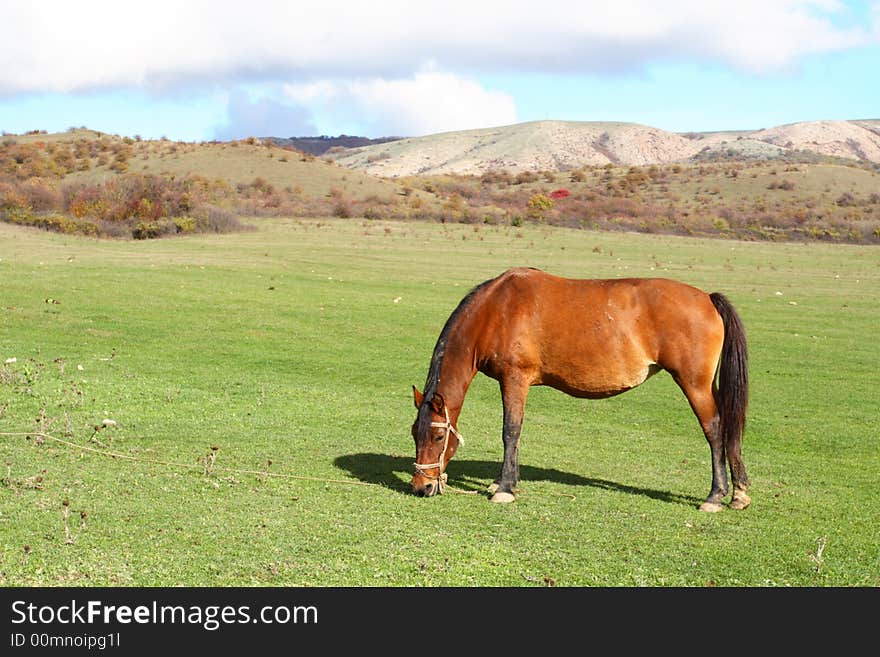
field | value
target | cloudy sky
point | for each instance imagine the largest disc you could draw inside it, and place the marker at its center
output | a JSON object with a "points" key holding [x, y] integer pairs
{"points": [[218, 69]]}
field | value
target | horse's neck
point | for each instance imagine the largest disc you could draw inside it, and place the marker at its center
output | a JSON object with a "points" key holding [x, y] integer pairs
{"points": [[456, 373]]}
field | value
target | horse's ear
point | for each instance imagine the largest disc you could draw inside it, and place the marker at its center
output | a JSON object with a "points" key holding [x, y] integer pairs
{"points": [[437, 403], [418, 398]]}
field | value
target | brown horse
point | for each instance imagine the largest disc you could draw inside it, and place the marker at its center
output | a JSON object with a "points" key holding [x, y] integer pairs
{"points": [[587, 338]]}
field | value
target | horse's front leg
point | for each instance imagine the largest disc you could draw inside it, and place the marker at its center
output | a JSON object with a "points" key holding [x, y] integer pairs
{"points": [[513, 396]]}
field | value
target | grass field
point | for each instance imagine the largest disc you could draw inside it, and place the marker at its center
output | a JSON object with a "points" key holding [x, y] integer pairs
{"points": [[286, 345]]}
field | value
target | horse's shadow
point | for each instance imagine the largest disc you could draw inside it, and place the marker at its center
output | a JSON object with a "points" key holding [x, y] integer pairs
{"points": [[382, 469]]}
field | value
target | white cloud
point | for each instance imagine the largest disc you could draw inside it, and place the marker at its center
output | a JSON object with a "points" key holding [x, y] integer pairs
{"points": [[875, 19], [394, 67], [263, 117], [425, 103], [63, 46]]}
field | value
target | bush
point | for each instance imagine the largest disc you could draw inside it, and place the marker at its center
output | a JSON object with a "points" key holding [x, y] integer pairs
{"points": [[342, 209], [374, 212], [185, 224], [52, 221], [153, 228], [494, 176], [787, 185], [538, 206], [11, 198], [211, 219], [525, 177], [846, 200], [125, 206]]}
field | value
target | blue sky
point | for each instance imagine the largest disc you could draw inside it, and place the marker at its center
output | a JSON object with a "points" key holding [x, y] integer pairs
{"points": [[219, 70]]}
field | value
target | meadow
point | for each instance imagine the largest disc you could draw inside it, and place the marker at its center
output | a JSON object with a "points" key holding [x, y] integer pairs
{"points": [[259, 386]]}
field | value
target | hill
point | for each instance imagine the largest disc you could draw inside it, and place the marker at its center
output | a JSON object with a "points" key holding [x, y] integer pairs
{"points": [[88, 156], [835, 138], [565, 145], [90, 183], [538, 145], [320, 145], [729, 184]]}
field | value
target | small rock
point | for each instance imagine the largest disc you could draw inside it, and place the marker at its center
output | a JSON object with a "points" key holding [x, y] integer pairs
{"points": [[9, 361]]}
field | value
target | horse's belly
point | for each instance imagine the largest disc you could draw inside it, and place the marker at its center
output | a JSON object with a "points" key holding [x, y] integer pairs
{"points": [[599, 381]]}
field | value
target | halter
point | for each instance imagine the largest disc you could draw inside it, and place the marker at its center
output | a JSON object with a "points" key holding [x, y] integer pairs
{"points": [[421, 467]]}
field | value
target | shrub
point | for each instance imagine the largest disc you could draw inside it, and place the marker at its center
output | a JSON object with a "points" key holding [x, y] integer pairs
{"points": [[342, 208], [41, 196], [525, 177], [119, 166], [12, 199], [84, 201], [153, 228], [454, 207], [494, 176], [212, 219], [846, 199], [787, 185], [374, 212], [53, 221], [185, 224], [538, 205]]}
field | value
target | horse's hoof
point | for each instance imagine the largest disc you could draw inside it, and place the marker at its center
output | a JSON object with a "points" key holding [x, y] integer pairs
{"points": [[502, 497], [711, 507], [740, 501], [493, 488]]}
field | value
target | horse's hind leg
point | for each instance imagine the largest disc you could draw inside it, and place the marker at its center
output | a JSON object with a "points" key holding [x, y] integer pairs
{"points": [[702, 402], [513, 396], [741, 498]]}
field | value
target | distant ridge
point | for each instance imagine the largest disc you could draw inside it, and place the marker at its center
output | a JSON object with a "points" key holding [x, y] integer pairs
{"points": [[565, 145], [320, 145]]}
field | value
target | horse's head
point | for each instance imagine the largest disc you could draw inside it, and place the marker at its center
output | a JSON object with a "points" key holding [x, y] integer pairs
{"points": [[436, 439]]}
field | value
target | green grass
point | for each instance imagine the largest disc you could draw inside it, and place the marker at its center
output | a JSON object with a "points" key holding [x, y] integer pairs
{"points": [[285, 344]]}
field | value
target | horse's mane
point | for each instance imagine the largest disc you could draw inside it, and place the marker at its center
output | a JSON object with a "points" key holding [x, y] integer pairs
{"points": [[433, 380]]}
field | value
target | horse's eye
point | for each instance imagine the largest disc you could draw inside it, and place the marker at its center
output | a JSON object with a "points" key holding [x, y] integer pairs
{"points": [[438, 437]]}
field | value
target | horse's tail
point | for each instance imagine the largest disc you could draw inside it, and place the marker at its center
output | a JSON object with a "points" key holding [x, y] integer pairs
{"points": [[732, 395]]}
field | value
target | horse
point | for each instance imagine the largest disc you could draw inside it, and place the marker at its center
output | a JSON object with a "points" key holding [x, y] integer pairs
{"points": [[589, 339]]}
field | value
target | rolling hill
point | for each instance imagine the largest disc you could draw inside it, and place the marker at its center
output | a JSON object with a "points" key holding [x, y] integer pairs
{"points": [[566, 145], [89, 157], [610, 176]]}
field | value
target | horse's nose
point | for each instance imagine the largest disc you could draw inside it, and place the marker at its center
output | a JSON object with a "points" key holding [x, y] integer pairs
{"points": [[425, 491]]}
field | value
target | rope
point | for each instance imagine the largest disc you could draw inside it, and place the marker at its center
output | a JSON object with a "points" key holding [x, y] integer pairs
{"points": [[190, 466], [442, 477]]}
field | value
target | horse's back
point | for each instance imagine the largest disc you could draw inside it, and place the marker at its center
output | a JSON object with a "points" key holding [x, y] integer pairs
{"points": [[600, 337]]}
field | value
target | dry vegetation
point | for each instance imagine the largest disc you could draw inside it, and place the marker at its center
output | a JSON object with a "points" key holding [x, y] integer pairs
{"points": [[762, 199], [89, 183]]}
